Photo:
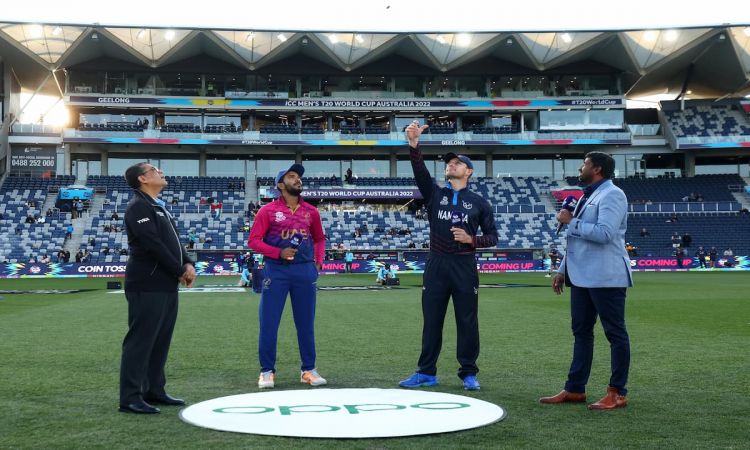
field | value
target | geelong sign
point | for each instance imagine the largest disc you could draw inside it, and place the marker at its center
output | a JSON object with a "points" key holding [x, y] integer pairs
{"points": [[343, 413]]}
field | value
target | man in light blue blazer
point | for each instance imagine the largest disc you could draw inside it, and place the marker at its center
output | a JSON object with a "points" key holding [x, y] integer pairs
{"points": [[596, 267]]}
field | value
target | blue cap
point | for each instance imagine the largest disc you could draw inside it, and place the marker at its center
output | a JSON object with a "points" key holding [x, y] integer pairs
{"points": [[297, 168], [464, 159]]}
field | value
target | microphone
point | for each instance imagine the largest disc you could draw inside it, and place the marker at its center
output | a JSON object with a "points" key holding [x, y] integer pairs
{"points": [[457, 218], [569, 203], [296, 241]]}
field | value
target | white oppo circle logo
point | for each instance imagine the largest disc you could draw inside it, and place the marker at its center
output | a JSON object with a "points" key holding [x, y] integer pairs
{"points": [[343, 413]]}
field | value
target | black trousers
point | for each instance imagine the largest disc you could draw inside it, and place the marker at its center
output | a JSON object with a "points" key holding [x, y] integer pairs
{"points": [[151, 320], [608, 304], [446, 277]]}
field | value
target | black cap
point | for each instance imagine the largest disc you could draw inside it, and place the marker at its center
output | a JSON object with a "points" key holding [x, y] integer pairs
{"points": [[463, 158]]}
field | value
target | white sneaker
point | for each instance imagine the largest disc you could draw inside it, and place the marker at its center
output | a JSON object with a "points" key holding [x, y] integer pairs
{"points": [[266, 380], [312, 377]]}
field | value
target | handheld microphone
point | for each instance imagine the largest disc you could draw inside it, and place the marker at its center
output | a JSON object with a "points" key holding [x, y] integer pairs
{"points": [[457, 218], [569, 203], [296, 241]]}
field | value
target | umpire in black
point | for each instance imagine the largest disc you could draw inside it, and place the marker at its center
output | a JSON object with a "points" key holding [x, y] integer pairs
{"points": [[455, 214], [157, 263]]}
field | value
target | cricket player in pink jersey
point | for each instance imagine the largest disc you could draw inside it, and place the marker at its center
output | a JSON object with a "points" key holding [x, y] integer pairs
{"points": [[289, 233]]}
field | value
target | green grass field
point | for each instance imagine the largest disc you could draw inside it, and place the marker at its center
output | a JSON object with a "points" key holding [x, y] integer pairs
{"points": [[690, 335]]}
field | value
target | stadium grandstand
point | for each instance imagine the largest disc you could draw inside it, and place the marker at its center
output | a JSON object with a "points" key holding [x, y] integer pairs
{"points": [[221, 111]]}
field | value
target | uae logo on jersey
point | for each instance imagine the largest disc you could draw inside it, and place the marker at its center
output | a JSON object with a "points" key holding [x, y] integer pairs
{"points": [[280, 217], [467, 205], [444, 201]]}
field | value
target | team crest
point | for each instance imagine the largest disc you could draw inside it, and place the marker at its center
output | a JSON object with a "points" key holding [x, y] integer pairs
{"points": [[467, 205], [444, 201], [280, 217]]}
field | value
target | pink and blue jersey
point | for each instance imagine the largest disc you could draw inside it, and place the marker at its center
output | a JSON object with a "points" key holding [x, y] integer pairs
{"points": [[276, 224]]}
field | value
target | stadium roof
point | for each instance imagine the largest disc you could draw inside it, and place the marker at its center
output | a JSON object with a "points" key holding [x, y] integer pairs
{"points": [[713, 61]]}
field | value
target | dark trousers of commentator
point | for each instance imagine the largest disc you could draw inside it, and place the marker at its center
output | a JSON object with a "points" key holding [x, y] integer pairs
{"points": [[151, 320], [446, 276], [609, 305]]}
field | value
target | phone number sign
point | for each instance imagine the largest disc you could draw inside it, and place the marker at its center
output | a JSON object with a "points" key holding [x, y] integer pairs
{"points": [[34, 159]]}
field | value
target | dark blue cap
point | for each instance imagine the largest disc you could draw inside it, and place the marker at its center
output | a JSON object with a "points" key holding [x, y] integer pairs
{"points": [[464, 159], [297, 168]]}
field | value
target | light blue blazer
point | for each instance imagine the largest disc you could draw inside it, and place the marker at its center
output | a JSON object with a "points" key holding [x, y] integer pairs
{"points": [[595, 256]]}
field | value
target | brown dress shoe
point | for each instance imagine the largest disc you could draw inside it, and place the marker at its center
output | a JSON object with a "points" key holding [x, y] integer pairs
{"points": [[565, 397], [612, 400]]}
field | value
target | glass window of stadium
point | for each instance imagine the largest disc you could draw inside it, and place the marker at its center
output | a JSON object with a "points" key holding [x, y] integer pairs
{"points": [[187, 84], [380, 121], [317, 167], [171, 167], [229, 167], [82, 168], [471, 87], [270, 167], [263, 119], [712, 166], [403, 167], [273, 83], [171, 119], [371, 168], [507, 167], [409, 86], [316, 122], [85, 82], [519, 86]]}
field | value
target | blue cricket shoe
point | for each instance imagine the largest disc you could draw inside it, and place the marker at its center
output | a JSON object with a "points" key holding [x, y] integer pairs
{"points": [[419, 380], [471, 383]]}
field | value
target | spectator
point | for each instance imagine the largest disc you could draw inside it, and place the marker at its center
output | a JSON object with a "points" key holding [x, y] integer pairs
{"points": [[30, 219], [216, 209], [48, 213], [699, 198], [106, 201], [713, 256], [412, 245], [349, 177], [673, 218], [79, 208], [209, 239], [69, 231], [79, 256], [41, 219], [61, 255], [686, 239], [105, 251], [676, 240], [174, 202], [645, 232], [18, 230], [92, 241], [729, 256], [123, 252], [114, 216], [631, 249], [192, 238], [44, 259]]}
